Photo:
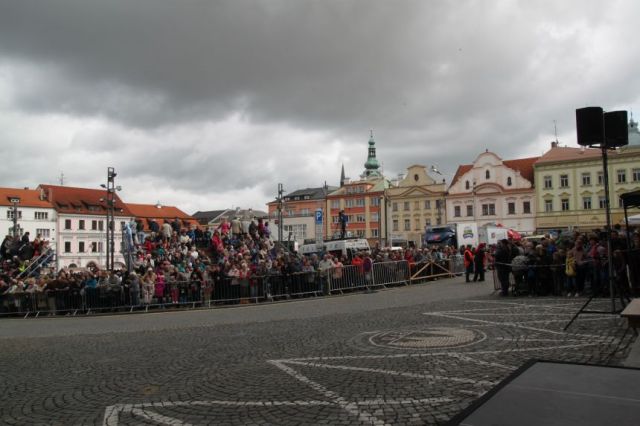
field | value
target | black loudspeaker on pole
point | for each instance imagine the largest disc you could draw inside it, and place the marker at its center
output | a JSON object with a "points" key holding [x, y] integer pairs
{"points": [[590, 126], [602, 129], [615, 129]]}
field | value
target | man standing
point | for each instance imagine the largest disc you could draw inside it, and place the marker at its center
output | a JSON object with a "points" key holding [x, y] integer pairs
{"points": [[324, 267], [478, 263], [468, 262], [342, 218], [503, 260]]}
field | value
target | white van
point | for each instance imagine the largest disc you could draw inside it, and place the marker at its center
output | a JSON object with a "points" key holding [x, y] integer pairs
{"points": [[347, 247]]}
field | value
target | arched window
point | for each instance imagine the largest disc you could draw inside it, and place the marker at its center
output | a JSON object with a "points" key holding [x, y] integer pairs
{"points": [[466, 185], [487, 175], [509, 181]]}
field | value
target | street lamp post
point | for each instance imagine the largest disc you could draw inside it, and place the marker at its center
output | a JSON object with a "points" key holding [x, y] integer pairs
{"points": [[110, 201], [15, 201], [380, 204]]}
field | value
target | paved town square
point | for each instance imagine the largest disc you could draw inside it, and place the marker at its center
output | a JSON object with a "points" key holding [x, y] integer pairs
{"points": [[409, 355]]}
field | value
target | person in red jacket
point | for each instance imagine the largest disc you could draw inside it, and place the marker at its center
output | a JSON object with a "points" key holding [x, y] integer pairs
{"points": [[468, 262]]}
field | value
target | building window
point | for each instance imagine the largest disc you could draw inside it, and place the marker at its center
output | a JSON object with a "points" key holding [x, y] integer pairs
{"points": [[511, 208], [564, 181], [374, 201], [94, 225], [394, 225], [101, 225], [602, 202], [428, 222], [526, 207], [360, 218], [10, 214], [289, 212], [360, 233], [304, 212], [456, 211], [469, 210], [81, 224], [348, 202], [407, 206], [67, 246], [427, 204], [375, 217], [335, 204], [42, 215], [359, 202], [635, 175], [407, 225], [586, 203], [416, 205], [622, 176], [600, 178], [488, 210], [466, 185], [374, 233], [548, 206], [94, 247], [44, 233], [565, 204], [81, 247], [297, 231], [417, 223], [509, 181], [487, 174], [548, 182], [394, 207], [586, 179], [67, 225]]}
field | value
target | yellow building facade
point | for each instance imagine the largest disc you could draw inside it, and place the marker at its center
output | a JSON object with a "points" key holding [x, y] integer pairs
{"points": [[569, 185], [416, 202]]}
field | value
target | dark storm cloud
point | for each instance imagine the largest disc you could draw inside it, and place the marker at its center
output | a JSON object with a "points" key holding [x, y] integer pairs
{"points": [[437, 81]]}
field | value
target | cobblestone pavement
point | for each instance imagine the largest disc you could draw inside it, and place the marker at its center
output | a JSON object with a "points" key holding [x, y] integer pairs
{"points": [[408, 363]]}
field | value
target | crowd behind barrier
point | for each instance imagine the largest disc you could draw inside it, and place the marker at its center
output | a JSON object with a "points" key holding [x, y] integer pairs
{"points": [[238, 263], [571, 266]]}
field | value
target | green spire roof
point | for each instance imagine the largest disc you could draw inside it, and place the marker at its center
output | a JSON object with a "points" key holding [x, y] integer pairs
{"points": [[371, 166]]}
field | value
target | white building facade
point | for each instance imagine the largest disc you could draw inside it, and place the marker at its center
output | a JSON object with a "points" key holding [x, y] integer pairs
{"points": [[35, 214], [494, 191]]}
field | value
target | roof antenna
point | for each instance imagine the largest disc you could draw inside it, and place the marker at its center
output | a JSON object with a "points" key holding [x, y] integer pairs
{"points": [[61, 178], [555, 130]]}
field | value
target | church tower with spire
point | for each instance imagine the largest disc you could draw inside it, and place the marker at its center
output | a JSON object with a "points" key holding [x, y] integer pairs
{"points": [[371, 167]]}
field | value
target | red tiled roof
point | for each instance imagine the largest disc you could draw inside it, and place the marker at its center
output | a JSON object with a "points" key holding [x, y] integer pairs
{"points": [[523, 165], [462, 169], [28, 198], [565, 153], [66, 199], [160, 214]]}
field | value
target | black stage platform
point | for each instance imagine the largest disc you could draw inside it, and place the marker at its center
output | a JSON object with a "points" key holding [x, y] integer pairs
{"points": [[563, 394]]}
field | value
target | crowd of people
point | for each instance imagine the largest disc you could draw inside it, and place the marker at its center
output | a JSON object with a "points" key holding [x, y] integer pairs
{"points": [[570, 266], [238, 262]]}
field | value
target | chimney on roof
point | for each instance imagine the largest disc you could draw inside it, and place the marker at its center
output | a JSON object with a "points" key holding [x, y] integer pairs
{"points": [[26, 188], [554, 144]]}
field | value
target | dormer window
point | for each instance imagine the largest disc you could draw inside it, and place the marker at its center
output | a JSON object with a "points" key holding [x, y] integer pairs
{"points": [[509, 181], [466, 185], [487, 174]]}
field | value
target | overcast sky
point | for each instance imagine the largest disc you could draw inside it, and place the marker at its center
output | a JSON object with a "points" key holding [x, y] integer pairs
{"points": [[207, 104]]}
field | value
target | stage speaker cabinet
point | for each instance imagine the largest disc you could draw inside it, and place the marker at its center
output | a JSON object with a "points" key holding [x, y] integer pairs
{"points": [[616, 132], [590, 126]]}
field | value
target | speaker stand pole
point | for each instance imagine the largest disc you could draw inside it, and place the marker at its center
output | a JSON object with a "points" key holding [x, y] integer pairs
{"points": [[607, 205]]}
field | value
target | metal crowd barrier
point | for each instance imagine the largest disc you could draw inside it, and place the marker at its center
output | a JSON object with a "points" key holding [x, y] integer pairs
{"points": [[350, 277], [73, 300]]}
